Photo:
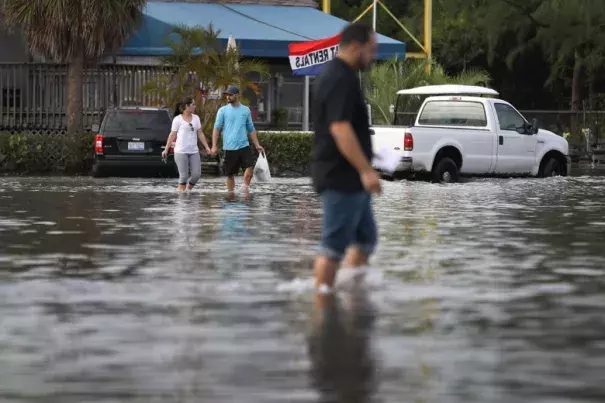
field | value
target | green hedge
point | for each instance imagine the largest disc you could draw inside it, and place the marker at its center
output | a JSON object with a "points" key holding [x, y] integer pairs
{"points": [[37, 152], [46, 152], [288, 153]]}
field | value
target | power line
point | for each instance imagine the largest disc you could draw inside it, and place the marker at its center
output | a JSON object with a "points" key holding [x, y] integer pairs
{"points": [[266, 23]]}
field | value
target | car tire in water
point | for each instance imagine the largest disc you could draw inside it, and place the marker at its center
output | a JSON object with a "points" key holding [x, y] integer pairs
{"points": [[446, 171], [553, 167], [97, 172]]}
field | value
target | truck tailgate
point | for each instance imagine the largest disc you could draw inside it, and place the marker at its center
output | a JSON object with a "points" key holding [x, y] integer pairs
{"points": [[390, 137]]}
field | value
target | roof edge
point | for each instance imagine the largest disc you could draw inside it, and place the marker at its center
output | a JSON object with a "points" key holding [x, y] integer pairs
{"points": [[299, 3]]}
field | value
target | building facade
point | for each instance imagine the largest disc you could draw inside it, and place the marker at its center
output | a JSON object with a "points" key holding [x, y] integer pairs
{"points": [[34, 91]]}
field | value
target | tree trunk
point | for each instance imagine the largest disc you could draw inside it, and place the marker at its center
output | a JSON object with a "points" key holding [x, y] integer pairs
{"points": [[74, 93], [576, 95], [576, 83], [592, 106], [114, 78]]}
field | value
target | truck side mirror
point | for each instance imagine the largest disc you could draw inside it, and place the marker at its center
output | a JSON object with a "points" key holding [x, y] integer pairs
{"points": [[392, 109], [535, 126], [94, 128]]}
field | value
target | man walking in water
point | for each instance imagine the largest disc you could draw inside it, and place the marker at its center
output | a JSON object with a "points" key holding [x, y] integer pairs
{"points": [[235, 122], [341, 169]]}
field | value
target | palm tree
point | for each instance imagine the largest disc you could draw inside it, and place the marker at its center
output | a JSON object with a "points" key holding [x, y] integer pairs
{"points": [[74, 32], [388, 77], [201, 67]]}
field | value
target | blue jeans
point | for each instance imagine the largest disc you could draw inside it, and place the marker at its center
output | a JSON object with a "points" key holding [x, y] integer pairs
{"points": [[348, 220]]}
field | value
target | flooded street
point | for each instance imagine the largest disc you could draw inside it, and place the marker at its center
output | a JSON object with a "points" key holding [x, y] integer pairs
{"points": [[120, 290]]}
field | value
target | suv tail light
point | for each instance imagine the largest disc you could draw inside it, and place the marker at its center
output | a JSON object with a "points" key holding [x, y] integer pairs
{"points": [[99, 144], [408, 142]]}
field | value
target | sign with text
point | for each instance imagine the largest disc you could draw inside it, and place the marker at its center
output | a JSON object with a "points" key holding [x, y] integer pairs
{"points": [[308, 58]]}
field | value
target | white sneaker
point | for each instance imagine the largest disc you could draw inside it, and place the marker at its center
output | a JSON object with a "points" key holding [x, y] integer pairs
{"points": [[324, 289]]}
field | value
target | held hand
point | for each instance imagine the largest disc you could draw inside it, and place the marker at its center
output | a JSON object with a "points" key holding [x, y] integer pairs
{"points": [[208, 150], [213, 150], [260, 149], [371, 181]]}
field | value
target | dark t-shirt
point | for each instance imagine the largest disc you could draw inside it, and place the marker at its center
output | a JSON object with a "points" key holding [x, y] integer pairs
{"points": [[337, 98]]}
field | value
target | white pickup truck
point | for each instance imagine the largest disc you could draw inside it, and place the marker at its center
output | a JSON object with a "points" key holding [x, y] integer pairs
{"points": [[466, 131]]}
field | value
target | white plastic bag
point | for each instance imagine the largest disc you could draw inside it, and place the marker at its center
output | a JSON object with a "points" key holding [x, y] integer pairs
{"points": [[261, 170], [386, 160]]}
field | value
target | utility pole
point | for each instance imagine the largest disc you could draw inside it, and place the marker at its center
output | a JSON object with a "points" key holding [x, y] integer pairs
{"points": [[327, 6], [374, 14], [426, 45], [428, 33]]}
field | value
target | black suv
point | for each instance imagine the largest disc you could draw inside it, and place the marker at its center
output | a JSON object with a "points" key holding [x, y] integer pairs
{"points": [[133, 137]]}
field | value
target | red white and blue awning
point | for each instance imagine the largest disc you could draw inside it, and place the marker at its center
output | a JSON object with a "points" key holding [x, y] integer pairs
{"points": [[308, 58]]}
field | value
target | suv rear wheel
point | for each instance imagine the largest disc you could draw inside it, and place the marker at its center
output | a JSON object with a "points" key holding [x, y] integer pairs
{"points": [[97, 171]]}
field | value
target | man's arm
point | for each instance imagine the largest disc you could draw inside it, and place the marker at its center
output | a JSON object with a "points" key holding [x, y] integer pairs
{"points": [[218, 126], [252, 130], [339, 112], [257, 145], [348, 145], [215, 134], [339, 106]]}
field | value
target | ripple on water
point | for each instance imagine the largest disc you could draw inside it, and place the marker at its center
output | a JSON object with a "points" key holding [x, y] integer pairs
{"points": [[489, 290]]}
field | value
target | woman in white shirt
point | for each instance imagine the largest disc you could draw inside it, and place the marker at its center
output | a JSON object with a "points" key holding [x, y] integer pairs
{"points": [[187, 128]]}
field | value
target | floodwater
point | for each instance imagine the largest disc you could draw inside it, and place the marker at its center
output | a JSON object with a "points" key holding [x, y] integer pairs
{"points": [[120, 290]]}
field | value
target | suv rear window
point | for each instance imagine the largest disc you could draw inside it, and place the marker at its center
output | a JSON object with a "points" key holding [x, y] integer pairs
{"points": [[453, 113], [132, 120]]}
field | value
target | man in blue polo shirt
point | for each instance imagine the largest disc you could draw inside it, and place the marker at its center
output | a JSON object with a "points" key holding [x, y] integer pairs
{"points": [[235, 122]]}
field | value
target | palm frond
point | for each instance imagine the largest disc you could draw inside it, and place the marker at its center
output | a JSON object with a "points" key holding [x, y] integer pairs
{"points": [[388, 77], [60, 29], [202, 67]]}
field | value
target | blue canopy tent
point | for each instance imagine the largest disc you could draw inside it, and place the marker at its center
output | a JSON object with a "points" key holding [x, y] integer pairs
{"points": [[261, 31]]}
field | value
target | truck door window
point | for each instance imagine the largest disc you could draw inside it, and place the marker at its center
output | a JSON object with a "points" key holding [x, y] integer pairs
{"points": [[508, 117], [453, 113]]}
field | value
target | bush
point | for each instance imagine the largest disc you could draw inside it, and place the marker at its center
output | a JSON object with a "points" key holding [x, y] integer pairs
{"points": [[288, 153], [47, 152], [279, 118], [36, 152]]}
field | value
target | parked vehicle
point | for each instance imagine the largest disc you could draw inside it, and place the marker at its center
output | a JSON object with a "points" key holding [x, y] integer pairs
{"points": [[465, 131], [132, 137]]}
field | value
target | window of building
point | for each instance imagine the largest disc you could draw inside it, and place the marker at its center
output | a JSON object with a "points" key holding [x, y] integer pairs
{"points": [[291, 98], [259, 103]]}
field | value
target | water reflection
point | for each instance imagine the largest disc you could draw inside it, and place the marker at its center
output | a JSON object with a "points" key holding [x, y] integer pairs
{"points": [[343, 366], [123, 291], [234, 214]]}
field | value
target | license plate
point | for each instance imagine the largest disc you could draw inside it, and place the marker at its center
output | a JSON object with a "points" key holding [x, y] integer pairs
{"points": [[136, 146]]}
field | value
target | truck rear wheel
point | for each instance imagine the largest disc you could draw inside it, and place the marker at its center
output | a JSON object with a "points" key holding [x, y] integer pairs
{"points": [[446, 171]]}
